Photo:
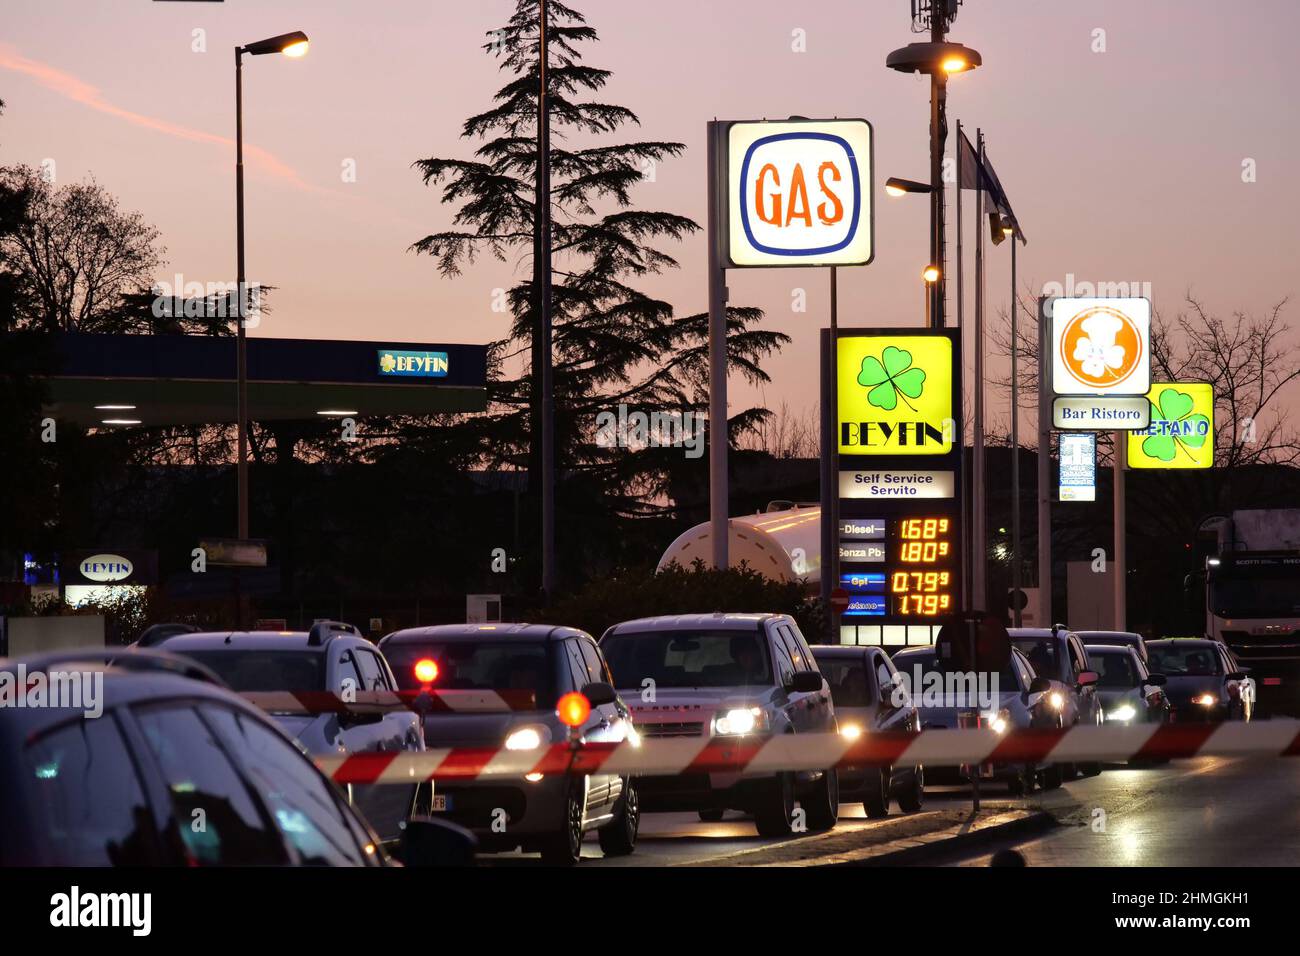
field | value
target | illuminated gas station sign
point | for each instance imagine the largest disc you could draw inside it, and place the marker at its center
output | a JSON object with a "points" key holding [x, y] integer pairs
{"points": [[900, 549]]}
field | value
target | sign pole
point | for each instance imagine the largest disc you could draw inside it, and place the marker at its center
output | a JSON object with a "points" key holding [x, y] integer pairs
{"points": [[978, 546], [1015, 447], [829, 480], [1120, 562], [718, 498], [834, 500], [1044, 463]]}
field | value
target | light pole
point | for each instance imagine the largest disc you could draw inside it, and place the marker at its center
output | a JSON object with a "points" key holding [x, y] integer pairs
{"points": [[292, 45], [544, 377], [1009, 230], [939, 59]]}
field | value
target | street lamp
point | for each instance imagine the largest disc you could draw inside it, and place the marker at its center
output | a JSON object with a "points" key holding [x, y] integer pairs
{"points": [[931, 274], [896, 186], [939, 59], [291, 45]]}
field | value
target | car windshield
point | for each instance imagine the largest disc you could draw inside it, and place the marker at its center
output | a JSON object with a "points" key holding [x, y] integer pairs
{"points": [[475, 665], [1044, 655], [1113, 670], [1198, 660], [1276, 595], [688, 658], [916, 669], [249, 671], [850, 686]]}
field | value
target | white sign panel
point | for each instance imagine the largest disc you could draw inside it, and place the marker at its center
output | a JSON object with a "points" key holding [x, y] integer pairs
{"points": [[1120, 413], [799, 193], [1078, 467], [1101, 346], [896, 484]]}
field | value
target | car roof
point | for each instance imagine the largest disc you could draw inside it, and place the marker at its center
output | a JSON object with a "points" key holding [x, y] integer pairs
{"points": [[254, 640], [127, 677], [522, 633], [1129, 635], [693, 622], [840, 650], [1110, 648], [1039, 632], [1186, 641]]}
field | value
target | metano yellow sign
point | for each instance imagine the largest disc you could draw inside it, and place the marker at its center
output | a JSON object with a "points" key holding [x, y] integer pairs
{"points": [[895, 395], [1181, 434]]}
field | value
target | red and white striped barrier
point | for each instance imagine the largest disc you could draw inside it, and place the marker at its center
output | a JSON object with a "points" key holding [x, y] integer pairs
{"points": [[680, 755], [424, 701]]}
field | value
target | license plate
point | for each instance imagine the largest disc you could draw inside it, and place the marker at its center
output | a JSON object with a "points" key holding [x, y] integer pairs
{"points": [[441, 802]]}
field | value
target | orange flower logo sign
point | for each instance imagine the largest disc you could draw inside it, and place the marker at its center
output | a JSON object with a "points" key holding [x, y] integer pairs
{"points": [[1101, 348]]}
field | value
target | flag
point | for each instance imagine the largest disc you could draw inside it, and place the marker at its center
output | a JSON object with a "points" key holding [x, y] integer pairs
{"points": [[977, 175]]}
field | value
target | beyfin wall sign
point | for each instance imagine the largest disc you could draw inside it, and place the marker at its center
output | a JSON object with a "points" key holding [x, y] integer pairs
{"points": [[799, 193]]}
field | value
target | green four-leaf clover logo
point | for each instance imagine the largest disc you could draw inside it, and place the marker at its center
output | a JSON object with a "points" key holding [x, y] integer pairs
{"points": [[890, 378], [1187, 431]]}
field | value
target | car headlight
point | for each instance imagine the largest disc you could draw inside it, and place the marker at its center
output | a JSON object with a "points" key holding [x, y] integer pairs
{"points": [[1205, 700], [851, 731], [1056, 700], [1122, 713], [1000, 722], [528, 738], [741, 720]]}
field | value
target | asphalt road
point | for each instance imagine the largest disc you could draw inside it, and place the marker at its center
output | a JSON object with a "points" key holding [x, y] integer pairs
{"points": [[1211, 811]]}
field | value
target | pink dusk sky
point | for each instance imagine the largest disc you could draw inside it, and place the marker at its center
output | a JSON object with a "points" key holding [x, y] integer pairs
{"points": [[1123, 165]]}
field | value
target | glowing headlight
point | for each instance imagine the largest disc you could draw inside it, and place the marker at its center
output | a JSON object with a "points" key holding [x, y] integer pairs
{"points": [[742, 720], [1205, 700], [526, 738], [1000, 721], [850, 731], [1056, 700], [1124, 713]]}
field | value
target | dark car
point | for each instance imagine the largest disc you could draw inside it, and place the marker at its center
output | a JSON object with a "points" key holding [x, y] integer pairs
{"points": [[1129, 692], [730, 677], [1058, 654], [332, 657], [1023, 701], [173, 770], [869, 698], [527, 668], [1116, 639], [1204, 680]]}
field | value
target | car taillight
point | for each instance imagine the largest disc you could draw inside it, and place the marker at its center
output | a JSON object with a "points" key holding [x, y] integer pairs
{"points": [[426, 670]]}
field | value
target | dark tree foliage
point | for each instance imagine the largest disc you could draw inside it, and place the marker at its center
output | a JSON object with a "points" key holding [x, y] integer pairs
{"points": [[614, 343]]}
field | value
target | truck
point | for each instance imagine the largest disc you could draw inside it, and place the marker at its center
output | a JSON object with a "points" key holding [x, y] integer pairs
{"points": [[1252, 589]]}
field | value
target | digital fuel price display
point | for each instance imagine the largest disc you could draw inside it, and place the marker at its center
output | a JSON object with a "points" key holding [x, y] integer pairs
{"points": [[915, 573]]}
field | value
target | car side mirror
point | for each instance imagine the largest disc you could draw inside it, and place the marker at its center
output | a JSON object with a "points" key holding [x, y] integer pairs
{"points": [[1087, 678], [1040, 685], [805, 682], [599, 693], [1157, 680], [429, 842]]}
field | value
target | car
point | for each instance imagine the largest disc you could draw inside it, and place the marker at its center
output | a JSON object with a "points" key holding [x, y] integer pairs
{"points": [[1024, 700], [1116, 639], [733, 677], [1130, 694], [174, 770], [869, 697], [1205, 683], [1059, 654], [529, 667], [332, 657]]}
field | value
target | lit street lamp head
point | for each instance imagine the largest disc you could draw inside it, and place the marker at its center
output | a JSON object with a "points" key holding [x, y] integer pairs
{"points": [[931, 274], [941, 58], [290, 44], [901, 187]]}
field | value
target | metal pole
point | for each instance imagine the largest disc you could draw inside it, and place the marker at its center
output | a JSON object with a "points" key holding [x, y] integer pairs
{"points": [[1015, 446], [543, 278], [979, 544], [938, 121], [834, 516], [959, 428], [718, 503], [1120, 564], [1044, 463], [241, 339]]}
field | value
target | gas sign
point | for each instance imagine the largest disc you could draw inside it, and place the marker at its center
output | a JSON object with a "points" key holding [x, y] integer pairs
{"points": [[1101, 346], [1181, 433], [799, 193]]}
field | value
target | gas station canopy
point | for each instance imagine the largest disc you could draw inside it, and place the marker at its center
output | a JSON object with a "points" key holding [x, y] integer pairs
{"points": [[121, 380]]}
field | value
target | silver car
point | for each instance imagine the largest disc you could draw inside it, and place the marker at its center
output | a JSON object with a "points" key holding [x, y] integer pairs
{"points": [[331, 658], [528, 667], [727, 676]]}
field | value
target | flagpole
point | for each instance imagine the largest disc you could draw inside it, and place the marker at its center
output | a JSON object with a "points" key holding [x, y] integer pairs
{"points": [[978, 549], [959, 429]]}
